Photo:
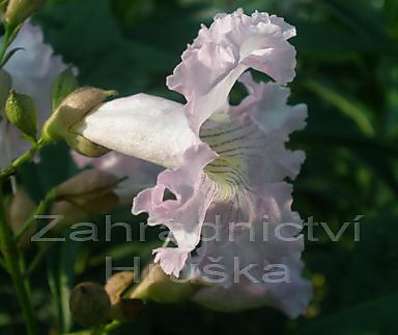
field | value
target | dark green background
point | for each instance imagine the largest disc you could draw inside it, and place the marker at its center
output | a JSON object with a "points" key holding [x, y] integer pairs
{"points": [[347, 74]]}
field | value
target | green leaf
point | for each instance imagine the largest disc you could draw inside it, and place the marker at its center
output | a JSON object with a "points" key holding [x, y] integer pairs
{"points": [[366, 23], [65, 84], [3, 4], [5, 320], [126, 250], [5, 86], [61, 278], [373, 317], [91, 40], [355, 110]]}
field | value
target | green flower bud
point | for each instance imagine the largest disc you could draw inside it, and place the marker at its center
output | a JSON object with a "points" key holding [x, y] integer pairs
{"points": [[89, 304], [20, 111], [70, 112], [19, 10], [161, 288], [64, 85], [5, 86]]}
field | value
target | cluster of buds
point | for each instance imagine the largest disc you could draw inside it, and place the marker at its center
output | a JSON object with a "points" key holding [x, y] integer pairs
{"points": [[122, 298], [89, 193]]}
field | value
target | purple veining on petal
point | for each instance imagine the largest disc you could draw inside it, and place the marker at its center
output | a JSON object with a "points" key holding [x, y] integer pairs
{"points": [[255, 246]]}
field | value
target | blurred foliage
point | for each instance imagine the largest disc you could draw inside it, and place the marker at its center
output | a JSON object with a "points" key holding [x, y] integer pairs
{"points": [[347, 74]]}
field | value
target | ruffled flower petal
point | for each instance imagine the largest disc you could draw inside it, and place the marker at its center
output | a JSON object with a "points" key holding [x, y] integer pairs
{"points": [[259, 263], [224, 160], [247, 142], [269, 109], [184, 215], [221, 53], [266, 110]]}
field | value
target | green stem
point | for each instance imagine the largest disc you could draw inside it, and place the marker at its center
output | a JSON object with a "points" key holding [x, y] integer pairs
{"points": [[13, 262], [111, 327], [3, 263], [104, 330], [21, 160], [6, 43], [40, 210], [38, 258]]}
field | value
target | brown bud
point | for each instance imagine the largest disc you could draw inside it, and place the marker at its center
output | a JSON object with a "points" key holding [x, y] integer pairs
{"points": [[159, 287], [90, 304], [117, 284], [19, 211], [88, 193], [67, 215], [122, 309], [87, 183], [127, 309]]}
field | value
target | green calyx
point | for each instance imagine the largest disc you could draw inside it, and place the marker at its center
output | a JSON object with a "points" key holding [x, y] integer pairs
{"points": [[71, 112]]}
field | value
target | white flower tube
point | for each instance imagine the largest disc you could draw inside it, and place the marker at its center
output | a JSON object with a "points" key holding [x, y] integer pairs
{"points": [[143, 126]]}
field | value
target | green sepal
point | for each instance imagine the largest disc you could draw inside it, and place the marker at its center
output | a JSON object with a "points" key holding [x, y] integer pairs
{"points": [[70, 113], [64, 85]]}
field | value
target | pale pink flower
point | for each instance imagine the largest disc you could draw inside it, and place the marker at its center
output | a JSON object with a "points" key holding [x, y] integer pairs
{"points": [[221, 160], [33, 70]]}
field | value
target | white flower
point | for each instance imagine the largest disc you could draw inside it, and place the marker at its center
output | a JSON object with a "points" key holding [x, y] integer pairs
{"points": [[220, 160]]}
